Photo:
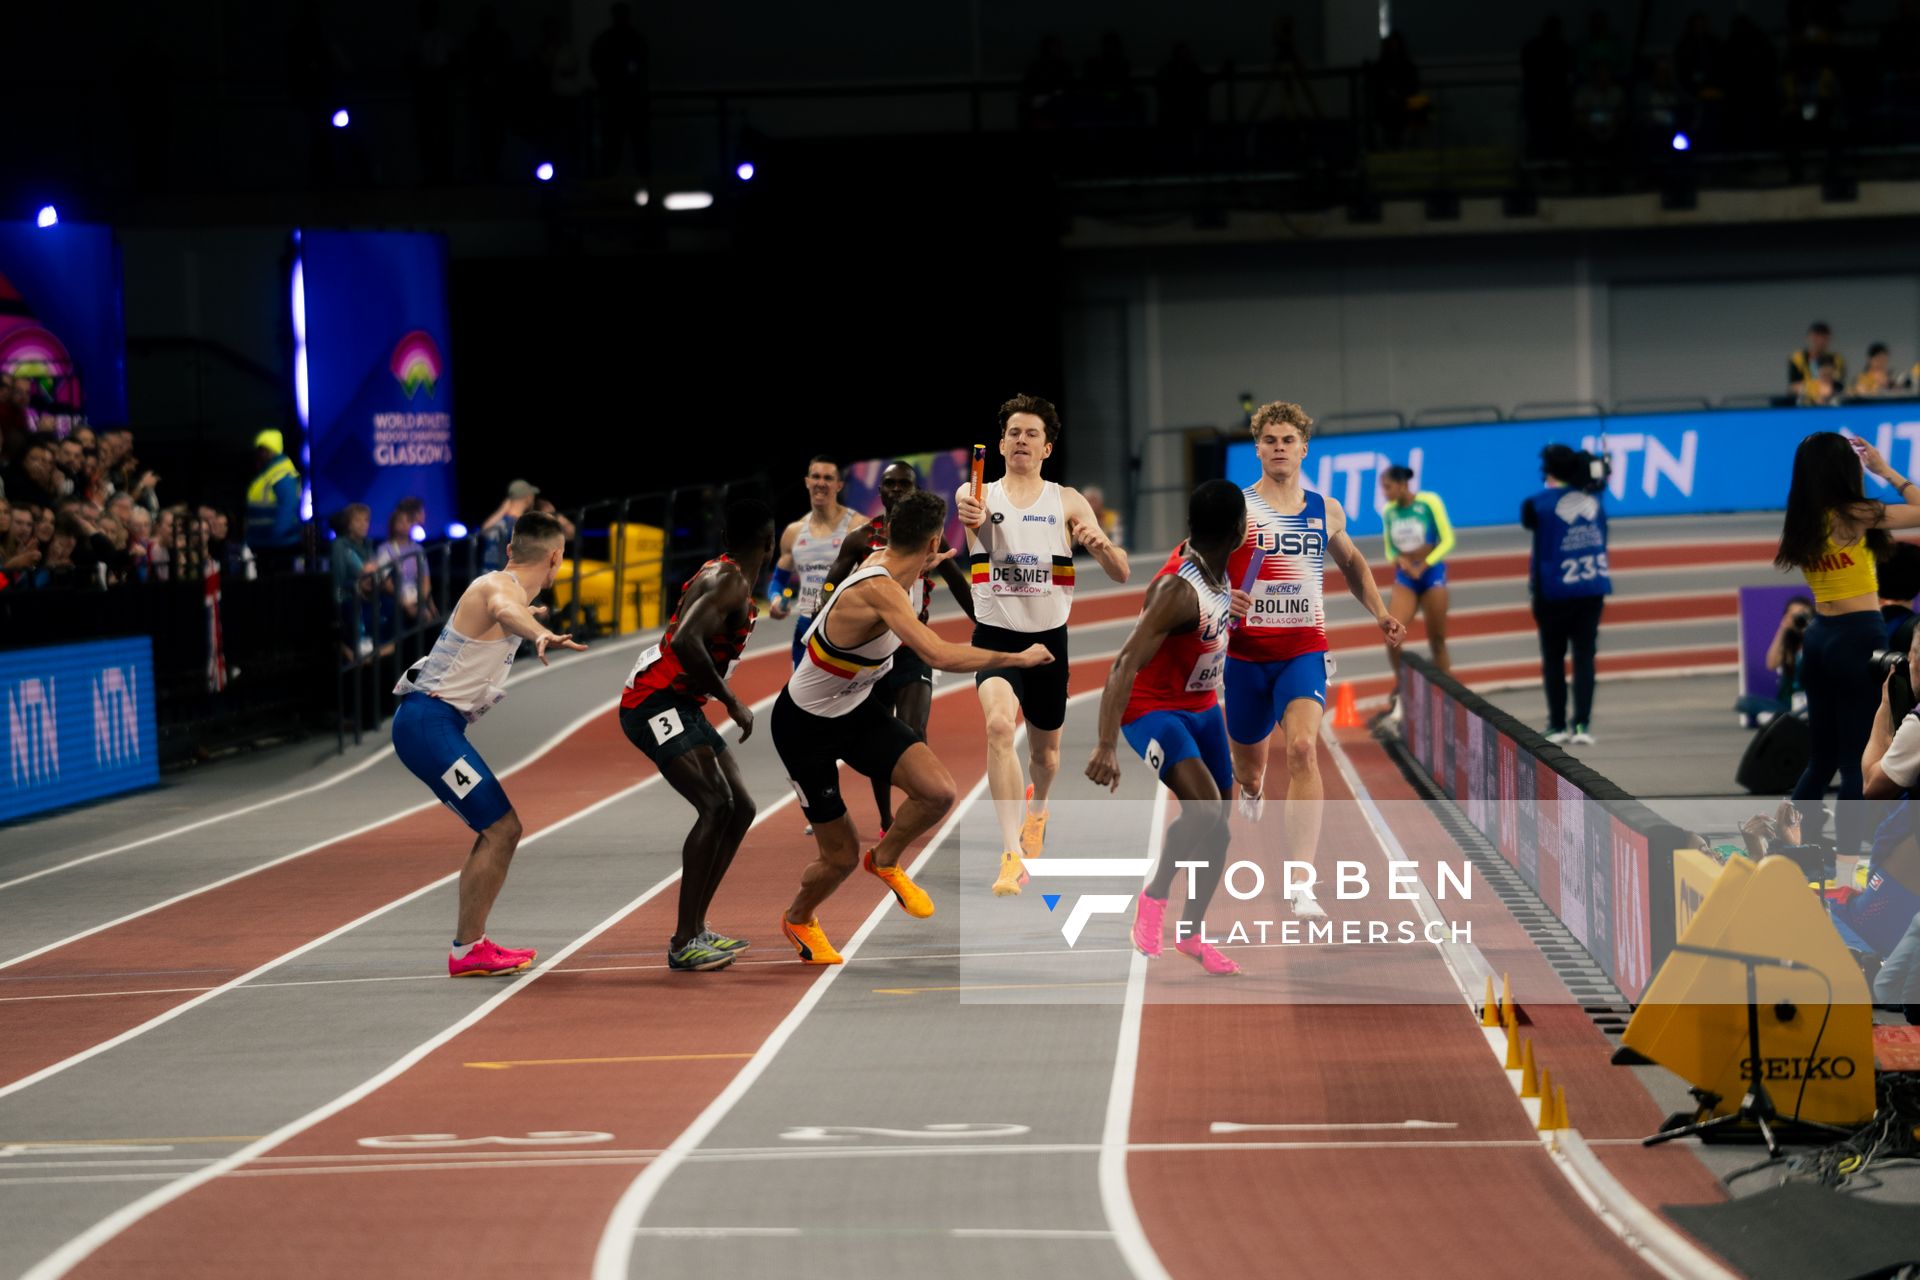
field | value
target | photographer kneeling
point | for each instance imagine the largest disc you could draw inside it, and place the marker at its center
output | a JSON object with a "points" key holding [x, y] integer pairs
{"points": [[1886, 916]]}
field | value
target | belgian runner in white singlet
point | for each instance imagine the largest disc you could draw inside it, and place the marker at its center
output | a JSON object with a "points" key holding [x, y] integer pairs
{"points": [[827, 713], [1020, 540], [459, 681]]}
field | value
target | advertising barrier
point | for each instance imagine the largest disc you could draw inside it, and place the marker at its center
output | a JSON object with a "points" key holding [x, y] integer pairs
{"points": [[79, 724], [1600, 861], [1663, 464]]}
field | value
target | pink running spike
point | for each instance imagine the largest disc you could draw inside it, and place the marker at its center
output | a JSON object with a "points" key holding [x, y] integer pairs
{"points": [[1148, 913], [1208, 955]]}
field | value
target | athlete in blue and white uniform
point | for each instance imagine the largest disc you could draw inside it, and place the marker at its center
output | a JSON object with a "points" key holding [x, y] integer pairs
{"points": [[808, 548], [460, 680], [1277, 658]]}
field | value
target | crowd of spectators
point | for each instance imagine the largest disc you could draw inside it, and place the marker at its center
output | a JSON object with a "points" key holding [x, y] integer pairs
{"points": [[1817, 373]]}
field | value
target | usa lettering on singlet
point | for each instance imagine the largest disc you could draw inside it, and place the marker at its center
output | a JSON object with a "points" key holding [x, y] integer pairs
{"points": [[1022, 562], [658, 668], [1185, 673], [813, 559], [831, 680], [1288, 617], [468, 675]]}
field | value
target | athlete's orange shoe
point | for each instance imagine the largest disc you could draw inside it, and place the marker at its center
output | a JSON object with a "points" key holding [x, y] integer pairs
{"points": [[1033, 831], [1013, 874], [810, 941], [913, 899]]}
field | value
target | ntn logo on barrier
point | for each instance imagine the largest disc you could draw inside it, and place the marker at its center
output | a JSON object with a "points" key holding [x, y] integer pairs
{"points": [[33, 733], [1658, 463], [116, 716]]}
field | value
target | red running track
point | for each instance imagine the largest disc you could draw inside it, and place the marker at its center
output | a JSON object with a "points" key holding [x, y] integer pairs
{"points": [[452, 1221]]}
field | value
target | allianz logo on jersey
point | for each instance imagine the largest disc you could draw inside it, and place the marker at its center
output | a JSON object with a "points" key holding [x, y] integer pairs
{"points": [[33, 733], [1032, 519]]}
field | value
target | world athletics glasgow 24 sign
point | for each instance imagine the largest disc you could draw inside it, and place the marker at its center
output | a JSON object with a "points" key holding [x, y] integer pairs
{"points": [[78, 724]]}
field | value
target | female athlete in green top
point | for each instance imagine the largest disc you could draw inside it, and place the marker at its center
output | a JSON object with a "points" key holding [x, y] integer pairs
{"points": [[1418, 536]]}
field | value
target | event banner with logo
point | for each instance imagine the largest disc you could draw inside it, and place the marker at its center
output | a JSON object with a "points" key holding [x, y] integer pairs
{"points": [[79, 724], [370, 315], [1663, 464], [60, 321]]}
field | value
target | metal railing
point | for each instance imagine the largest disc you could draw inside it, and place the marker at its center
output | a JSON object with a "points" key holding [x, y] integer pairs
{"points": [[379, 637]]}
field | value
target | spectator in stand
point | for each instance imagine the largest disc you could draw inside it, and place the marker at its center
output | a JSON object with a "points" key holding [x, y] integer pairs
{"points": [[233, 557], [19, 553], [353, 576], [497, 531], [273, 505], [36, 481], [1393, 84], [1816, 373], [1047, 90], [161, 551], [71, 459], [123, 471], [1660, 113], [403, 566], [140, 540], [1546, 88], [1108, 85], [1597, 110], [1878, 378]]}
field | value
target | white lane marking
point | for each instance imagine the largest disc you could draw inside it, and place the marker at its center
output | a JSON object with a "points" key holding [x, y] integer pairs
{"points": [[185, 1006], [76, 1250], [862, 1233], [1116, 1198], [614, 1254], [1229, 1126], [842, 1132], [572, 727], [1661, 1246], [336, 779]]}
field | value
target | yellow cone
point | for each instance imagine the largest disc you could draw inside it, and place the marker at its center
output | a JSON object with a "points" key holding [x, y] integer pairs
{"points": [[1489, 1011], [1546, 1101], [1529, 1074], [1560, 1120], [1513, 1041]]}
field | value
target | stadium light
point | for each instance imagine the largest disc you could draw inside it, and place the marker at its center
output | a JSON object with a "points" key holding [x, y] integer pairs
{"points": [[543, 171], [341, 119], [49, 217], [456, 530], [641, 197], [1681, 142], [418, 533], [681, 201], [744, 171]]}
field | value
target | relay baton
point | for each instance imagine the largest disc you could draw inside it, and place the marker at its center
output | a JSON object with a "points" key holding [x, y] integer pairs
{"points": [[1252, 575], [979, 468]]}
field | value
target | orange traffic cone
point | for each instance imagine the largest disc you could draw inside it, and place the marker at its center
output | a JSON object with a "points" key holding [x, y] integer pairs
{"points": [[1346, 715]]}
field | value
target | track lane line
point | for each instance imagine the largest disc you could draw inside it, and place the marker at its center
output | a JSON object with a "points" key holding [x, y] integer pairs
{"points": [[383, 753]]}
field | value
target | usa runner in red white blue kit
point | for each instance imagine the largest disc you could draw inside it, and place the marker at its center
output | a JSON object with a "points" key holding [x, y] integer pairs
{"points": [[1277, 657], [660, 712], [1163, 694], [460, 680]]}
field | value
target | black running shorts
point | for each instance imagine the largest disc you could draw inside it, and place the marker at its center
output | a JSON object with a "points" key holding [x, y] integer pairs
{"points": [[667, 725], [811, 748], [1042, 691]]}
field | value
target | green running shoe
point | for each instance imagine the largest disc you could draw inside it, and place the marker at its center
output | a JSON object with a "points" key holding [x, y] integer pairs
{"points": [[697, 956]]}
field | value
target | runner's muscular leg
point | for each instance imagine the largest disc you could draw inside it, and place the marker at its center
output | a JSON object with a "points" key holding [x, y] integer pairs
{"points": [[485, 871], [743, 813], [930, 794], [1003, 763], [1043, 762], [839, 853], [698, 775], [1249, 764], [1300, 729]]}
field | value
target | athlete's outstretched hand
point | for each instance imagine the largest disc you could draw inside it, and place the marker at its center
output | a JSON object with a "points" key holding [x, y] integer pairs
{"points": [[1394, 629], [972, 514], [1034, 655], [1104, 768], [552, 640], [743, 716]]}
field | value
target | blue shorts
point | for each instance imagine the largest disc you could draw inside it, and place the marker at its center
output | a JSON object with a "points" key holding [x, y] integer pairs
{"points": [[1258, 693], [1435, 576], [800, 624], [430, 738], [1165, 738]]}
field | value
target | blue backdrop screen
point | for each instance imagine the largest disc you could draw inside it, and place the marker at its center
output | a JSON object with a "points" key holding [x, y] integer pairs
{"points": [[78, 724], [379, 412], [1663, 464], [60, 317]]}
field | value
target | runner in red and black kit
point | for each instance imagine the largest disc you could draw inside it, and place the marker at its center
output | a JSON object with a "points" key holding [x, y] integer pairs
{"points": [[660, 711], [1163, 693], [907, 690]]}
